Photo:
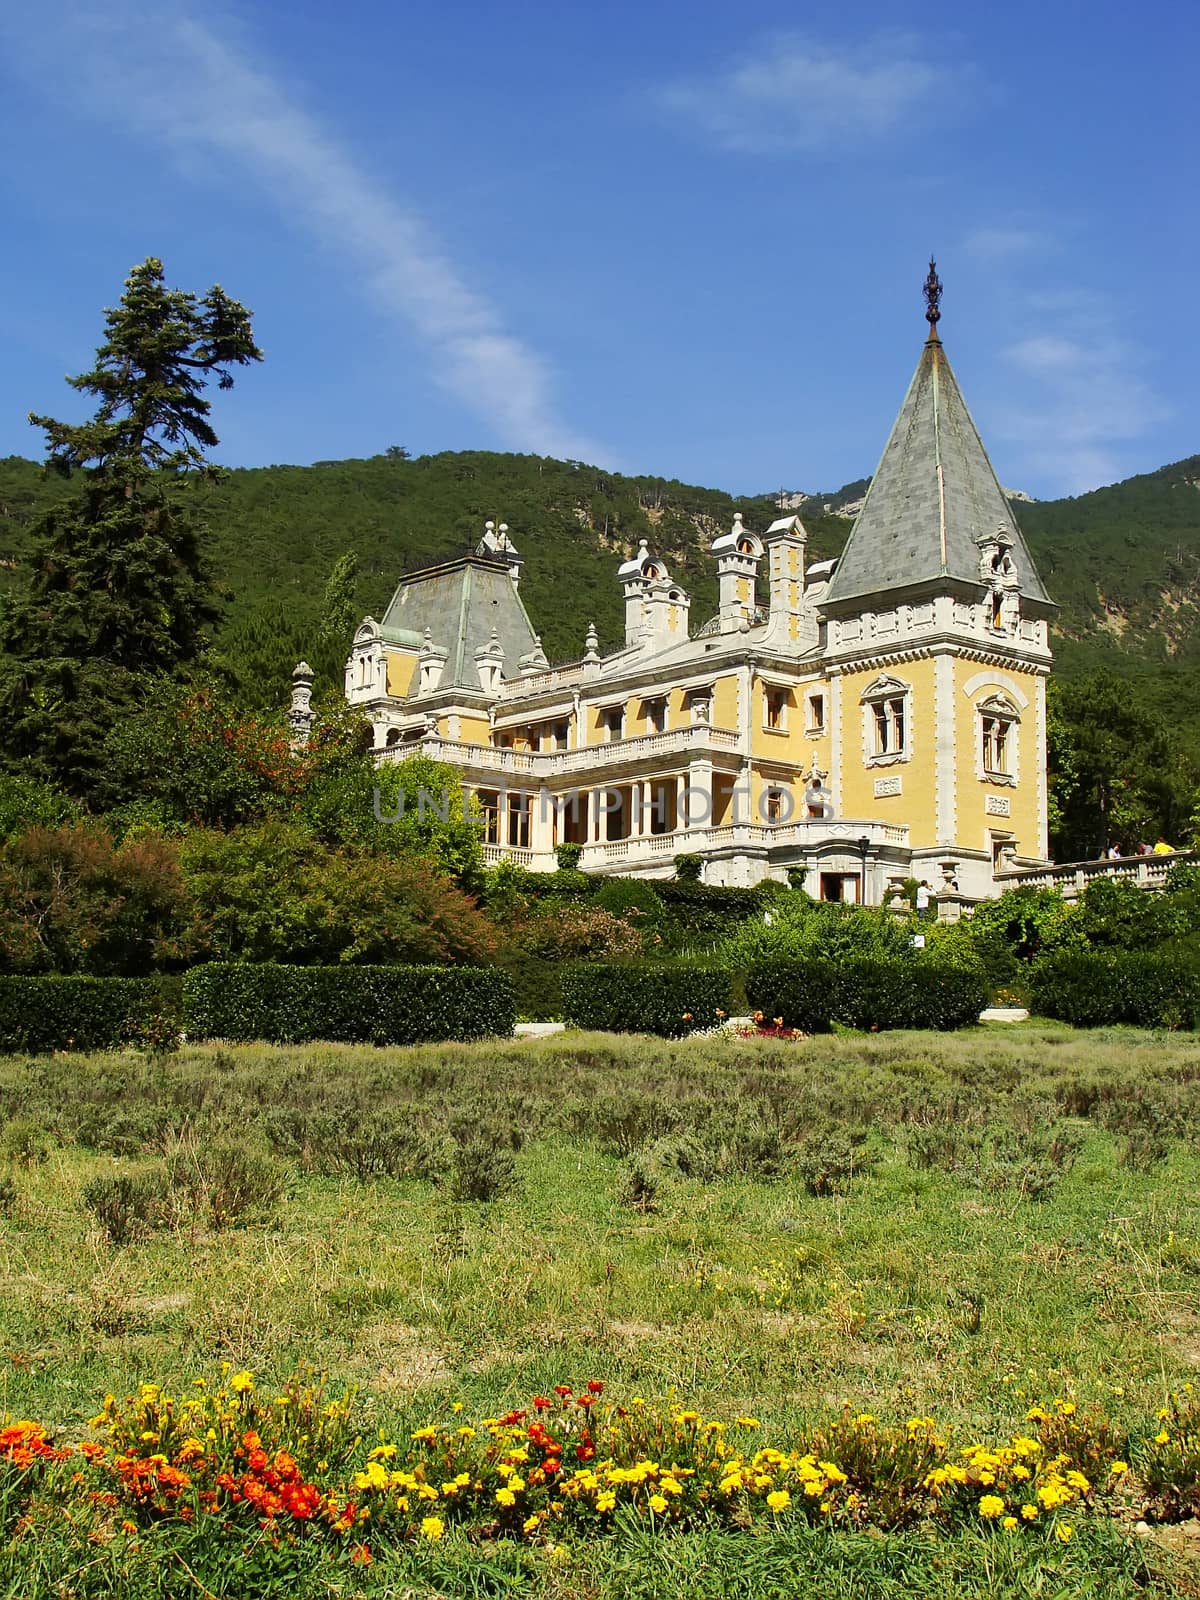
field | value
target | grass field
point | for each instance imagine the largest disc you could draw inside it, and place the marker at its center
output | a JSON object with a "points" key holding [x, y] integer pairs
{"points": [[952, 1225]]}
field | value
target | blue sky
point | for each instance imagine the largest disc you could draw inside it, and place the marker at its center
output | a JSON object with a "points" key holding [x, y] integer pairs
{"points": [[685, 239]]}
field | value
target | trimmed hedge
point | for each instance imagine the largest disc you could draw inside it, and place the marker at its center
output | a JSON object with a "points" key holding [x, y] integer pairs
{"points": [[801, 992], [644, 997], [709, 910], [39, 1014], [861, 992], [1096, 988], [354, 1005]]}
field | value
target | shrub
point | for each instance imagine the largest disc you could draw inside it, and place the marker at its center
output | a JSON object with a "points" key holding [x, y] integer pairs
{"points": [[126, 1205], [637, 1189], [224, 1182], [1096, 988], [632, 900], [373, 1005], [707, 911], [567, 856], [24, 1143], [801, 992], [72, 900], [670, 1000], [480, 1169], [688, 868], [39, 1014], [914, 991], [826, 1161]]}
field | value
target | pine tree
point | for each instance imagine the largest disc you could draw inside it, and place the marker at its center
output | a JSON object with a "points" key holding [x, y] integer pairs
{"points": [[118, 592]]}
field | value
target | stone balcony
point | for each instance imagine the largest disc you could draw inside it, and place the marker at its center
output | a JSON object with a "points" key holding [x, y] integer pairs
{"points": [[599, 761], [653, 853]]}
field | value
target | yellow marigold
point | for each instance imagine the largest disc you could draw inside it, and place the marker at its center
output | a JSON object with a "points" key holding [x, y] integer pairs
{"points": [[432, 1527], [1029, 1512], [1118, 1469], [748, 1422], [1078, 1481], [780, 1500], [424, 1436], [991, 1505], [533, 1523], [241, 1382], [505, 1497], [658, 1504], [1009, 1524], [1063, 1532], [605, 1500], [1162, 1437]]}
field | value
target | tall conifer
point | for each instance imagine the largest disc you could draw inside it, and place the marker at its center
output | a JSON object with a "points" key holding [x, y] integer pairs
{"points": [[118, 591]]}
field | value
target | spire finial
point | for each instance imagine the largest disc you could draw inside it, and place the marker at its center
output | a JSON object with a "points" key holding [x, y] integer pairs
{"points": [[933, 299]]}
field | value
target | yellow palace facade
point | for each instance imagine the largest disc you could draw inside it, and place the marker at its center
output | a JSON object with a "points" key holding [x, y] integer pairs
{"points": [[864, 720]]}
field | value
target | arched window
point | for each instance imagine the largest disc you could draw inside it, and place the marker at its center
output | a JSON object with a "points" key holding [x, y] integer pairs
{"points": [[887, 721], [999, 719]]}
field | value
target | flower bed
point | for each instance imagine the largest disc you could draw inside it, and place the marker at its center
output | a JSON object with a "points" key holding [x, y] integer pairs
{"points": [[572, 1463]]}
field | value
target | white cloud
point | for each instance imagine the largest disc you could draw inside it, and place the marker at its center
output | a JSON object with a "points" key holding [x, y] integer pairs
{"points": [[787, 93], [161, 70], [1004, 241], [1083, 396]]}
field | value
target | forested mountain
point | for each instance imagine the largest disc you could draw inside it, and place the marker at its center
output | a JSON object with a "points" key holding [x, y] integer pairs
{"points": [[1123, 562]]}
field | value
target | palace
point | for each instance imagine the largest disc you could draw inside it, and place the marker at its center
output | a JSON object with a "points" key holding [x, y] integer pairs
{"points": [[863, 720]]}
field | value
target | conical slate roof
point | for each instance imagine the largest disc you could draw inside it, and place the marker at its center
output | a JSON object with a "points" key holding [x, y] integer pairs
{"points": [[934, 494]]}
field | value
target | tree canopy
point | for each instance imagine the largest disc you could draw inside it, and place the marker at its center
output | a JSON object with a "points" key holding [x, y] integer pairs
{"points": [[118, 588]]}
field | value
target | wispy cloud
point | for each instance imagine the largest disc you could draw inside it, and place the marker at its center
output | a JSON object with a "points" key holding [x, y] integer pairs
{"points": [[790, 93], [1083, 393], [1005, 241], [162, 70]]}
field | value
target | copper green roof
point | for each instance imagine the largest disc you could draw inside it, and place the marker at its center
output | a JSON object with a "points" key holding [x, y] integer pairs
{"points": [[934, 494]]}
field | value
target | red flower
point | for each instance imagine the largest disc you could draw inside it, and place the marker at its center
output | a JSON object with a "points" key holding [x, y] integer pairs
{"points": [[595, 1388]]}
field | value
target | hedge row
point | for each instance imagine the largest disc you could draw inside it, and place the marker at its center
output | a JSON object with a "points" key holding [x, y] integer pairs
{"points": [[370, 1005], [861, 992], [39, 1014], [641, 997], [1096, 988]]}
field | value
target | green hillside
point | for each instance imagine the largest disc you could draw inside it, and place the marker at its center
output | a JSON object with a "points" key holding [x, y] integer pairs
{"points": [[1123, 562]]}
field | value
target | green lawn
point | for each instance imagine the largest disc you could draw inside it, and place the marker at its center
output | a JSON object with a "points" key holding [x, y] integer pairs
{"points": [[946, 1225]]}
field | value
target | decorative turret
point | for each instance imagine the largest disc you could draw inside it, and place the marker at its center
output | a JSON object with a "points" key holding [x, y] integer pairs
{"points": [[431, 659], [535, 660], [656, 609], [497, 546], [300, 715], [366, 665], [489, 661], [738, 554]]}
